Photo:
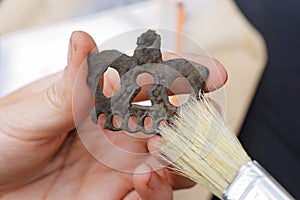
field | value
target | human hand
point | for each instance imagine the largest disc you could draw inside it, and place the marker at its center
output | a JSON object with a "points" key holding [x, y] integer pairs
{"points": [[41, 156]]}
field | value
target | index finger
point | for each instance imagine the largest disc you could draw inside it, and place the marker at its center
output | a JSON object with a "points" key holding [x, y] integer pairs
{"points": [[217, 76]]}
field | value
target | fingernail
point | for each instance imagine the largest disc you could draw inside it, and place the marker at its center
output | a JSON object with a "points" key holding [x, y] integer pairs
{"points": [[153, 178], [143, 168], [154, 144], [157, 141], [154, 181], [71, 48]]}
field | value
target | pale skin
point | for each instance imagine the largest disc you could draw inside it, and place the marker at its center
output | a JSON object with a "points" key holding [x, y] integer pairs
{"points": [[42, 157]]}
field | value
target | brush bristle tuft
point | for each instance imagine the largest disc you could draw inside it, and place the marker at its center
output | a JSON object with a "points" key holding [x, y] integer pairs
{"points": [[200, 146]]}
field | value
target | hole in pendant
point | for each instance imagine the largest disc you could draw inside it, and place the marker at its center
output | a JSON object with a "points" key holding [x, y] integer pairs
{"points": [[145, 81], [148, 123], [111, 82], [132, 123], [117, 121], [180, 90]]}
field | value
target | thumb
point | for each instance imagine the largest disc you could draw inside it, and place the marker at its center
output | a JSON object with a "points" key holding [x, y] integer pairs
{"points": [[49, 113], [150, 185]]}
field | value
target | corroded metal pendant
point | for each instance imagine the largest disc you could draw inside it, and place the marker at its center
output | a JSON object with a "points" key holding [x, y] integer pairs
{"points": [[147, 58]]}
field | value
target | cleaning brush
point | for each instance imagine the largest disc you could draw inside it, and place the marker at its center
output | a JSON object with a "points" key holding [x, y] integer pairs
{"points": [[199, 145]]}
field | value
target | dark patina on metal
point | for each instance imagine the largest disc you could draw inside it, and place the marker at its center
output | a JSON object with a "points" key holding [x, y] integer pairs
{"points": [[147, 58]]}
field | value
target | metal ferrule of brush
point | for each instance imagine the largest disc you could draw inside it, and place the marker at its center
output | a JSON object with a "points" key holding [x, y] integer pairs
{"points": [[254, 182]]}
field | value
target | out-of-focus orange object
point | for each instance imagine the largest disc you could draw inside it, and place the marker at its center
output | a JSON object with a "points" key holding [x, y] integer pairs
{"points": [[180, 22]]}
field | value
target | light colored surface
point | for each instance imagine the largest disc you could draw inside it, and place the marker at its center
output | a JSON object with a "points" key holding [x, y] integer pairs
{"points": [[229, 37], [216, 24], [16, 14]]}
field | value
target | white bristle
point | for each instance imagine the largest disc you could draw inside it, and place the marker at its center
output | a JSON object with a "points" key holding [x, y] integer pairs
{"points": [[201, 147]]}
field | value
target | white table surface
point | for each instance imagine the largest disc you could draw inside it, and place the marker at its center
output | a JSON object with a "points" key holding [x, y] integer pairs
{"points": [[30, 54]]}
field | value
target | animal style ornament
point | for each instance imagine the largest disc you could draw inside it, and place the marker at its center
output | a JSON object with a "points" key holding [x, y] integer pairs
{"points": [[147, 58]]}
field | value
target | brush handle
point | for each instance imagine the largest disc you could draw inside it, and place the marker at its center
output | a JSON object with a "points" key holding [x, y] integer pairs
{"points": [[254, 182]]}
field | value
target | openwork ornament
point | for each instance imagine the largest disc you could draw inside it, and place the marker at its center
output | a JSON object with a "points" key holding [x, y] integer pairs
{"points": [[147, 58]]}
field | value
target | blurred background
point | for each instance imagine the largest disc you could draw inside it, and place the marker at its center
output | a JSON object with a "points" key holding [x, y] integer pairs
{"points": [[34, 43]]}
